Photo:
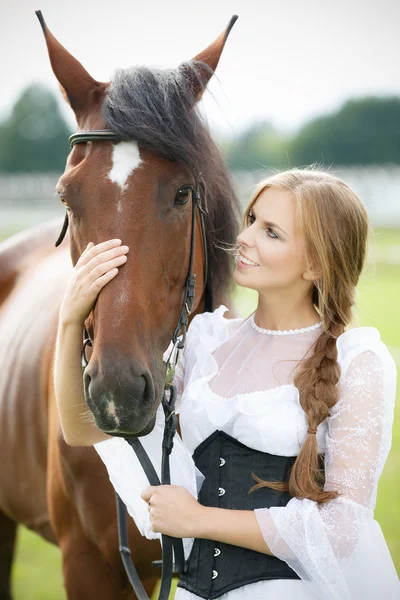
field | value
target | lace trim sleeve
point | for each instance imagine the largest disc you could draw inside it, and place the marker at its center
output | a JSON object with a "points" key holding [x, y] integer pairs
{"points": [[338, 548]]}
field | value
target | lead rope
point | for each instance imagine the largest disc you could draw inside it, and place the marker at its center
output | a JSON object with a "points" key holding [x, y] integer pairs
{"points": [[171, 547]]}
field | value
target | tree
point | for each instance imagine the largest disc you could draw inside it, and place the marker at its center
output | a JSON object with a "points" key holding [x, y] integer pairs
{"points": [[365, 131], [35, 137], [258, 146]]}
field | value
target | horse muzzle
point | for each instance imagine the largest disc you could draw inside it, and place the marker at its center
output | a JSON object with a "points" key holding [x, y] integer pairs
{"points": [[122, 397]]}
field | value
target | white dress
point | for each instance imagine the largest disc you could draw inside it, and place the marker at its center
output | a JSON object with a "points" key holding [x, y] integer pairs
{"points": [[236, 377]]}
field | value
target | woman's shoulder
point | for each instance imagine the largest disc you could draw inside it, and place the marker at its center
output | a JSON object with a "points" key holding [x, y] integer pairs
{"points": [[208, 329], [366, 343], [213, 323]]}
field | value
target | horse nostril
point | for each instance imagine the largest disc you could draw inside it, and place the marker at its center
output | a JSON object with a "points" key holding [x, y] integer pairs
{"points": [[128, 388], [87, 380]]}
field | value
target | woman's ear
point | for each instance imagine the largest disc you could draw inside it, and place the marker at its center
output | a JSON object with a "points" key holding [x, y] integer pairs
{"points": [[312, 273]]}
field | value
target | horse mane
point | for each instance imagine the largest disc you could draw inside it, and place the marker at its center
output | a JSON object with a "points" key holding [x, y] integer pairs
{"points": [[158, 109]]}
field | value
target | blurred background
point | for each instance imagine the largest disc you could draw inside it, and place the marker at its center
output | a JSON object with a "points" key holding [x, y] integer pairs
{"points": [[298, 84]]}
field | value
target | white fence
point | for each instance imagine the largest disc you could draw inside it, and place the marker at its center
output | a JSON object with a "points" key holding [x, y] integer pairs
{"points": [[28, 199], [378, 187]]}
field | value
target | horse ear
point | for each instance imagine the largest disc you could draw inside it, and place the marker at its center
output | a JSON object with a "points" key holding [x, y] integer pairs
{"points": [[210, 57], [75, 82]]}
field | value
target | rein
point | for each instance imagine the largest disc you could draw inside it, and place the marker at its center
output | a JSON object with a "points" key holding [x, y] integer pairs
{"points": [[173, 559]]}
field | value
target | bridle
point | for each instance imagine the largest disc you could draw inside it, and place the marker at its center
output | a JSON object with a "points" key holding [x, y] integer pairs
{"points": [[172, 548]]}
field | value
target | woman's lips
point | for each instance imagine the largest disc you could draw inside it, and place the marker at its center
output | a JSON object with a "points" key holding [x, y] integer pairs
{"points": [[242, 265]]}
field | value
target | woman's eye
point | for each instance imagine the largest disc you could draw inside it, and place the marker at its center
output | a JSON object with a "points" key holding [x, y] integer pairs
{"points": [[250, 219], [274, 236], [183, 195]]}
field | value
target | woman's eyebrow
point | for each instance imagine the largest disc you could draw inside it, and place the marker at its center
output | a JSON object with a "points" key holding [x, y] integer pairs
{"points": [[268, 223]]}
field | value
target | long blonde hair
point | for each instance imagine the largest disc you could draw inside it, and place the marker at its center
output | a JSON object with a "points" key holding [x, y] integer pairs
{"points": [[336, 229]]}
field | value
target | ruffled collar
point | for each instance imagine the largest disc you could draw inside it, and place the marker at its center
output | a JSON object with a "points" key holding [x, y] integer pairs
{"points": [[212, 332], [209, 331], [283, 331]]}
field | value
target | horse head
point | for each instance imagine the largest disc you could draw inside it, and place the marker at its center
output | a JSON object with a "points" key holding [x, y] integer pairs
{"points": [[139, 186]]}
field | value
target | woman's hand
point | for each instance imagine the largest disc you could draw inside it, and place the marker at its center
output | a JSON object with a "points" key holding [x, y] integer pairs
{"points": [[96, 266], [174, 511]]}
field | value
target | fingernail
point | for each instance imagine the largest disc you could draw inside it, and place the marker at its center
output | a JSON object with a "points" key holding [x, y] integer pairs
{"points": [[116, 242]]}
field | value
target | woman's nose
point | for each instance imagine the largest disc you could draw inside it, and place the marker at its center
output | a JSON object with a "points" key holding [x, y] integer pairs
{"points": [[244, 239]]}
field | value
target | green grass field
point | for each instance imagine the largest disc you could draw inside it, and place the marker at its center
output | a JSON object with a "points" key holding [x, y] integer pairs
{"points": [[37, 570]]}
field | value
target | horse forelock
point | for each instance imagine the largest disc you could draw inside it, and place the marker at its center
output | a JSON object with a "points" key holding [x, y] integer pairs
{"points": [[157, 109]]}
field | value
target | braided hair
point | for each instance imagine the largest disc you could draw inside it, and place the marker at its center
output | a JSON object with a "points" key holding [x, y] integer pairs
{"points": [[336, 228]]}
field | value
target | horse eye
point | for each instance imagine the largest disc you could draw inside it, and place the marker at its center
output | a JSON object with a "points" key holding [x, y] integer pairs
{"points": [[183, 195]]}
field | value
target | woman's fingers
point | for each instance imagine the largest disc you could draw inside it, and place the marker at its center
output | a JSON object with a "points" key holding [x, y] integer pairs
{"points": [[104, 259], [97, 265], [95, 249], [97, 260], [106, 256], [147, 493], [97, 285], [96, 275]]}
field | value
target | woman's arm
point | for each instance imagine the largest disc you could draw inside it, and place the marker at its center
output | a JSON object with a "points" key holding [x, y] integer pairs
{"points": [[338, 547], [97, 265], [175, 512], [77, 421], [236, 527]]}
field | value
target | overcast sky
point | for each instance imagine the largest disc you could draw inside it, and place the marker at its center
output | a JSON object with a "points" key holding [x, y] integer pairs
{"points": [[284, 62]]}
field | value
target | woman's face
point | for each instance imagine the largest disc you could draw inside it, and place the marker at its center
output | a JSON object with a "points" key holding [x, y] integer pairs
{"points": [[274, 245]]}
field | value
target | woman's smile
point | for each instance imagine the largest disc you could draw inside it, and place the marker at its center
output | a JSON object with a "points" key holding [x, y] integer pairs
{"points": [[245, 263]]}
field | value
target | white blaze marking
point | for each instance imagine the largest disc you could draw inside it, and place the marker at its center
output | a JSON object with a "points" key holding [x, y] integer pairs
{"points": [[112, 412], [126, 158]]}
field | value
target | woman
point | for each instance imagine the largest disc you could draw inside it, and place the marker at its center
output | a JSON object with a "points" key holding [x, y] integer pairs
{"points": [[287, 416]]}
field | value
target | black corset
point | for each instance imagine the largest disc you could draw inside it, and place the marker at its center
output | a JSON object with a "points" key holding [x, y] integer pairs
{"points": [[214, 568]]}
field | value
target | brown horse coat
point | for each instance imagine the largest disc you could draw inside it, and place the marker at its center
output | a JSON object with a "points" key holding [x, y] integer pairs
{"points": [[63, 492]]}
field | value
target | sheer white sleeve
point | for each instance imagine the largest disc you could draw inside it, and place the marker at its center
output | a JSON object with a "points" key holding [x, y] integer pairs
{"points": [[338, 549]]}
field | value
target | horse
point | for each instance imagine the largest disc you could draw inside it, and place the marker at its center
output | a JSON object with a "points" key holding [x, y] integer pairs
{"points": [[138, 190]]}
